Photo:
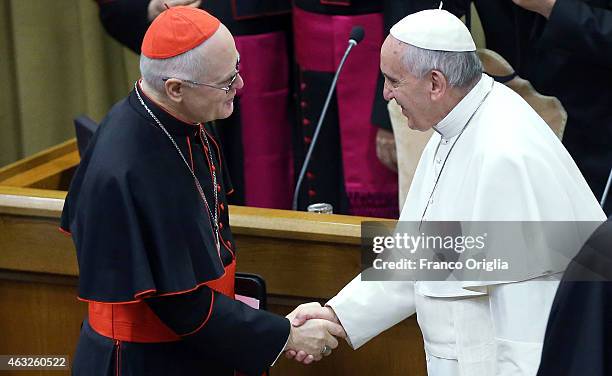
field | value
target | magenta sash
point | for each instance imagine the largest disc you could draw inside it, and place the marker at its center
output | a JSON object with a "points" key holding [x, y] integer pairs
{"points": [[320, 42], [266, 131]]}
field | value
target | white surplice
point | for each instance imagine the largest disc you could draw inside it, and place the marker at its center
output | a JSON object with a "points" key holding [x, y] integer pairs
{"points": [[507, 165]]}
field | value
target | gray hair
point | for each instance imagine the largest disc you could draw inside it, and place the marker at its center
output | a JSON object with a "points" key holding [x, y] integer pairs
{"points": [[459, 68], [187, 66]]}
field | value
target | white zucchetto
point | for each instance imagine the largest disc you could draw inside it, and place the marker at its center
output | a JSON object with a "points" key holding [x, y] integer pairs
{"points": [[434, 29]]}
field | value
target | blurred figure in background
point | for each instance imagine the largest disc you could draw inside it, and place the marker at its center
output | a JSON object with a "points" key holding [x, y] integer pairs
{"points": [[344, 170]]}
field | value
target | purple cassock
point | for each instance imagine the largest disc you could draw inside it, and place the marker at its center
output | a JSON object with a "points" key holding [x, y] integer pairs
{"points": [[344, 170]]}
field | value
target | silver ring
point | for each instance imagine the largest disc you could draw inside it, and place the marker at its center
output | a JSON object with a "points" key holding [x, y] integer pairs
{"points": [[326, 350]]}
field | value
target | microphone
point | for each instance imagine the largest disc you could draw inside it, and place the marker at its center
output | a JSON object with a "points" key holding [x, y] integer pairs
{"points": [[356, 36]]}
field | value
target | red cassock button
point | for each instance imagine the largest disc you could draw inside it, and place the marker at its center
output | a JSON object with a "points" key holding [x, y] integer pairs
{"points": [[307, 140], [303, 86], [312, 193], [303, 104], [229, 244], [218, 188], [310, 175], [222, 207], [305, 122], [221, 225]]}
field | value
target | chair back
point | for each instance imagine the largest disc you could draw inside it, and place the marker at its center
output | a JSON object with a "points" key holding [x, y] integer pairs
{"points": [[84, 128]]}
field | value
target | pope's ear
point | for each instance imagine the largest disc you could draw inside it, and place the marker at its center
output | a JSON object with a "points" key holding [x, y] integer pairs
{"points": [[174, 89], [439, 85]]}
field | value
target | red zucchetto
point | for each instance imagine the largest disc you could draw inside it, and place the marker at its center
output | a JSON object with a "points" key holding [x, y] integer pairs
{"points": [[178, 30]]}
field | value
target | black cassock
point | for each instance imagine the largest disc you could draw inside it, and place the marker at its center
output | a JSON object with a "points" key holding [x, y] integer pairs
{"points": [[578, 337], [145, 239]]}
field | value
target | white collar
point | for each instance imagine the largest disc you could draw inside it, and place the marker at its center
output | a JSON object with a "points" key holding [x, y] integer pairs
{"points": [[453, 123]]}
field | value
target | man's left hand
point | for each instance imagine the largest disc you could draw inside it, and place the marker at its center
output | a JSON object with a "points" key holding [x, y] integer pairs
{"points": [[543, 7]]}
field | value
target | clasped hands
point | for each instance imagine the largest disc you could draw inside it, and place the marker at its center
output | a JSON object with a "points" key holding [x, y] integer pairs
{"points": [[314, 329]]}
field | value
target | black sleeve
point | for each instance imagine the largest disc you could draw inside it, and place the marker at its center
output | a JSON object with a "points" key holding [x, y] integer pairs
{"points": [[581, 29], [125, 20], [578, 336], [246, 339], [499, 26]]}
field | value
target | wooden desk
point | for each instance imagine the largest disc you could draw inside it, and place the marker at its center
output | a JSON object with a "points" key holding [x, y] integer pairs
{"points": [[302, 256]]}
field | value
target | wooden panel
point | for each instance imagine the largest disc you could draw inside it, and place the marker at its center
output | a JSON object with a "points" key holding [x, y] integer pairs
{"points": [[298, 268], [52, 174], [38, 318], [55, 180], [25, 195], [296, 224], [33, 244], [49, 162]]}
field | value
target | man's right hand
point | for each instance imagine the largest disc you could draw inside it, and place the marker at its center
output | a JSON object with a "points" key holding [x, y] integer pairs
{"points": [[158, 6], [311, 311], [312, 337]]}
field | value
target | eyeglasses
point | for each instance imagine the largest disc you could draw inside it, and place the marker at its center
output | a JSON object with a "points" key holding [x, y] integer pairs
{"points": [[225, 88]]}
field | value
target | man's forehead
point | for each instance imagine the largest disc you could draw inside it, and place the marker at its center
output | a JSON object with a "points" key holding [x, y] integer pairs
{"points": [[390, 58], [229, 67], [233, 63], [392, 51], [221, 54], [393, 44]]}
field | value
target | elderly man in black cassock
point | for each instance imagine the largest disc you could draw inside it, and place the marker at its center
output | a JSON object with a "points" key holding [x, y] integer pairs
{"points": [[148, 214], [257, 137]]}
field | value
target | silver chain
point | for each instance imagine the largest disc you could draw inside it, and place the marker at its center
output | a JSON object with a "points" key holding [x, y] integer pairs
{"points": [[214, 215]]}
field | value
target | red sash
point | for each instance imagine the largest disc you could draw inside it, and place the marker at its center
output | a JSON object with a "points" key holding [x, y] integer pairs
{"points": [[136, 322]]}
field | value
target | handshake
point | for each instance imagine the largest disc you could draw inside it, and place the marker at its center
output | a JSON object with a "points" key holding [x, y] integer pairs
{"points": [[314, 329]]}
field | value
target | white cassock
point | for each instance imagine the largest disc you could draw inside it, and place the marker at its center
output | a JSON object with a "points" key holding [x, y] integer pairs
{"points": [[506, 166]]}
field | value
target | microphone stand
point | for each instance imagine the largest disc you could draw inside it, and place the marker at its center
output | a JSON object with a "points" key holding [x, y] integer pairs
{"points": [[352, 43]]}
